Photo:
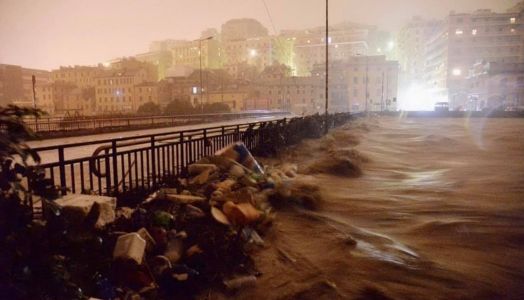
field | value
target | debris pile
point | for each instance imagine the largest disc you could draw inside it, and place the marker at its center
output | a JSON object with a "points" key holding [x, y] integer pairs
{"points": [[181, 239]]}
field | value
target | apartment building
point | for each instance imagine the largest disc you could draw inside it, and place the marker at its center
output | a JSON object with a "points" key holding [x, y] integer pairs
{"points": [[145, 92], [495, 85], [188, 53], [114, 91], [349, 88], [465, 39], [300, 95], [411, 46], [345, 41]]}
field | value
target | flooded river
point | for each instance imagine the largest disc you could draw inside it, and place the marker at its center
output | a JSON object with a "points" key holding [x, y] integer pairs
{"points": [[437, 213]]}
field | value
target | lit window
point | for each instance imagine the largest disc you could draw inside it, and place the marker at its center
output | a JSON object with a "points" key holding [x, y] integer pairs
{"points": [[512, 20], [457, 72], [512, 30], [474, 32], [459, 32]]}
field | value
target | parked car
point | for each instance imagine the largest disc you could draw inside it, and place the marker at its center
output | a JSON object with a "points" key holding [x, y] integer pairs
{"points": [[442, 106]]}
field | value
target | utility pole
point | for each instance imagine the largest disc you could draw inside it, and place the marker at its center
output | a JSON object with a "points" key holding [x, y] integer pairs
{"points": [[367, 69], [382, 99], [387, 90], [33, 79], [201, 86], [327, 67]]}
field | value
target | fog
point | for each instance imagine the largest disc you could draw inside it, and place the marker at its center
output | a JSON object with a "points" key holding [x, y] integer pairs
{"points": [[47, 34]]}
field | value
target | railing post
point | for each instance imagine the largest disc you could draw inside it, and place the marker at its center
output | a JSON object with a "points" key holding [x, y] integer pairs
{"points": [[182, 161], [190, 150], [237, 133], [205, 143], [115, 166], [108, 172], [223, 137], [61, 167], [153, 159]]}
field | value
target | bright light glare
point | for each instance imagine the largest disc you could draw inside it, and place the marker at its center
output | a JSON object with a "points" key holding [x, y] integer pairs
{"points": [[456, 72], [252, 52], [391, 45], [416, 98]]}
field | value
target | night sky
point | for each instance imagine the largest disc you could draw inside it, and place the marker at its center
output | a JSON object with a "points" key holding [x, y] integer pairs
{"points": [[49, 33]]}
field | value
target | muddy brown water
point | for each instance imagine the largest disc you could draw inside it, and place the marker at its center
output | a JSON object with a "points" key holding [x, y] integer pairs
{"points": [[437, 213]]}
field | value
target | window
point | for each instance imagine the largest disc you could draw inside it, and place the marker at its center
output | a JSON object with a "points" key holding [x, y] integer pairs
{"points": [[512, 20], [474, 32], [459, 32]]}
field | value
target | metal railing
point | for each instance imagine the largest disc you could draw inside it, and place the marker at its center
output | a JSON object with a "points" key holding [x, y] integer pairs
{"points": [[142, 163], [49, 125]]}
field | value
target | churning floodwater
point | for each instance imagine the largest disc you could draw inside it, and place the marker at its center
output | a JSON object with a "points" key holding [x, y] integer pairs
{"points": [[436, 211]]}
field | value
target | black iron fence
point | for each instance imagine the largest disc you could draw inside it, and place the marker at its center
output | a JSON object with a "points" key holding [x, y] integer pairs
{"points": [[142, 163], [49, 125]]}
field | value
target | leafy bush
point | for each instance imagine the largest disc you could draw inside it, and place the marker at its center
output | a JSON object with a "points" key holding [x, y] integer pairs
{"points": [[216, 108], [29, 270], [180, 107], [149, 108]]}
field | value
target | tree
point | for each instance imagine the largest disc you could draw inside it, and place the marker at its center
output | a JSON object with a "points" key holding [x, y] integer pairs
{"points": [[180, 107], [149, 108], [29, 269]]}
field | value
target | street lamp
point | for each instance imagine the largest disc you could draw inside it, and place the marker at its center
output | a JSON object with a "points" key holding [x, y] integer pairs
{"points": [[327, 66], [200, 57]]}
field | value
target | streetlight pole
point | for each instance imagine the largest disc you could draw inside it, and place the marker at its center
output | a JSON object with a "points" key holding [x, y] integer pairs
{"points": [[33, 80], [382, 99], [327, 67], [367, 79]]}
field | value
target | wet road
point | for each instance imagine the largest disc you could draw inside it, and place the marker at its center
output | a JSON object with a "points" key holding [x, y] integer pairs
{"points": [[85, 151]]}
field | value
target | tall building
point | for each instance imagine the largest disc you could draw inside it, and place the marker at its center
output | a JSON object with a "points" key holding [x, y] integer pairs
{"points": [[465, 39], [81, 76], [241, 29], [345, 40], [145, 92], [300, 95], [16, 84], [411, 46], [188, 54], [65, 98], [162, 60], [260, 52], [496, 85], [349, 88], [114, 90], [11, 84]]}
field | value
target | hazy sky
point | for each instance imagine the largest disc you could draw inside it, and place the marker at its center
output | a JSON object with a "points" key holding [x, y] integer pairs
{"points": [[49, 33]]}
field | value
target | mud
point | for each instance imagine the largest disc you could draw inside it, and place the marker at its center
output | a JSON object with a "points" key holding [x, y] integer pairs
{"points": [[436, 213]]}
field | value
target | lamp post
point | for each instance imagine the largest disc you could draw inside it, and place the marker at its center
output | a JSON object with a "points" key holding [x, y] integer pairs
{"points": [[200, 71], [327, 67]]}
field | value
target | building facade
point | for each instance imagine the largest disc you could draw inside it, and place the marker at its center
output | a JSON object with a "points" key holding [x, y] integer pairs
{"points": [[114, 91], [496, 86], [362, 83], [463, 40], [309, 45]]}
